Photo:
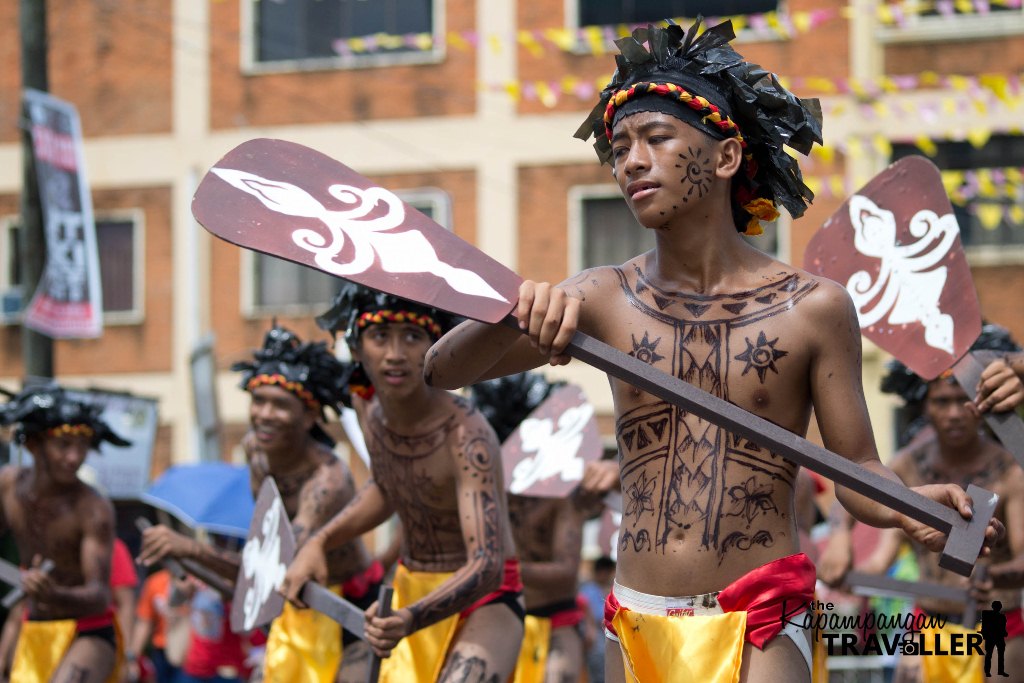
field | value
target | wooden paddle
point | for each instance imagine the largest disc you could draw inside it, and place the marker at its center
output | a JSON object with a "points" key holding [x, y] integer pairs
{"points": [[11, 575], [293, 202], [895, 245], [269, 548], [181, 568]]}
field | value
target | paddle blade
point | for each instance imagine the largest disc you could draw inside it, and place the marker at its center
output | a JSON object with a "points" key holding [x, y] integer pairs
{"points": [[895, 246], [268, 551], [545, 455], [290, 201]]}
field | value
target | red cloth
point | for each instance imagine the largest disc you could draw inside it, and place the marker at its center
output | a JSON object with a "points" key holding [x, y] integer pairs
{"points": [[357, 586], [212, 644], [760, 593], [567, 617], [511, 583], [96, 621], [122, 569]]}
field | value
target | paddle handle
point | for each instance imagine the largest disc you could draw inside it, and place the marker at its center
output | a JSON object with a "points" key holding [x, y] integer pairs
{"points": [[965, 537], [875, 584], [383, 610], [13, 597], [325, 601], [180, 569], [1008, 426]]}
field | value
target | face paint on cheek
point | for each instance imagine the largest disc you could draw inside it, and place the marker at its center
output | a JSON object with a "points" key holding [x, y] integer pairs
{"points": [[696, 173]]}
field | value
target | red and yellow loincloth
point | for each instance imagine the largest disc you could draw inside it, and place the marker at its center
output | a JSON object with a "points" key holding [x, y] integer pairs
{"points": [[700, 638], [305, 646], [418, 657], [537, 628], [42, 645]]}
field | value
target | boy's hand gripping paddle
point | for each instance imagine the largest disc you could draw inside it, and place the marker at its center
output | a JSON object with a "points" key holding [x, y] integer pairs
{"points": [[293, 202], [895, 246]]}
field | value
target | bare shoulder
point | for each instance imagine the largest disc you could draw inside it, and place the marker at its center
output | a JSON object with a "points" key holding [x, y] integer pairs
{"points": [[332, 471], [909, 463], [94, 508], [591, 282]]}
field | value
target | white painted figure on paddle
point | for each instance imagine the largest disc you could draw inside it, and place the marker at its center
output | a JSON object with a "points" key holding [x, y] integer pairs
{"points": [[261, 562], [552, 448], [407, 251], [908, 286]]}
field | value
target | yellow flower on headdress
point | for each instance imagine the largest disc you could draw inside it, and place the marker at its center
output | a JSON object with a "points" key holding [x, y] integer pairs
{"points": [[760, 209]]}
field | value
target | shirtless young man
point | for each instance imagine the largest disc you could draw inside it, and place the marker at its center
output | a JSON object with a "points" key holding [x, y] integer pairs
{"points": [[435, 461], [959, 453], [69, 634], [548, 533], [291, 383], [708, 525]]}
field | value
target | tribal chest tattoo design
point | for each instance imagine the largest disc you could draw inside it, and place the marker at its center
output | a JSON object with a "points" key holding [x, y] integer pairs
{"points": [[682, 475]]}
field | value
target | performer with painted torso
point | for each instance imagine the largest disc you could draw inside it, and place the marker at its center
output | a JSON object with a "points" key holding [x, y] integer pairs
{"points": [[708, 553], [458, 612], [69, 630], [291, 383]]}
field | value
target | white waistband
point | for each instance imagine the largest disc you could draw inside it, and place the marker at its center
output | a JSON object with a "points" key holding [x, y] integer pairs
{"points": [[691, 605]]}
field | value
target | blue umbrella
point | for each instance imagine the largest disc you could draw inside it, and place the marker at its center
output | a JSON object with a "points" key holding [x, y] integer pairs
{"points": [[214, 496]]}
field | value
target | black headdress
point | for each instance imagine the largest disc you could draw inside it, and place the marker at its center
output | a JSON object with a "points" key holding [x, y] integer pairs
{"points": [[507, 401], [356, 307], [44, 407], [309, 370], [912, 388], [718, 92]]}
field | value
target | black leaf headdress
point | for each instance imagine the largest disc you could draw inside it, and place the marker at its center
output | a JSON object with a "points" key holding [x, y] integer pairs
{"points": [[43, 407], [724, 95], [307, 369], [507, 401], [354, 305]]}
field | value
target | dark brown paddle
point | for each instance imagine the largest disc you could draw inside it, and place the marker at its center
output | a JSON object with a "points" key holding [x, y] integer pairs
{"points": [[11, 575], [895, 245], [269, 548], [180, 568], [293, 202]]}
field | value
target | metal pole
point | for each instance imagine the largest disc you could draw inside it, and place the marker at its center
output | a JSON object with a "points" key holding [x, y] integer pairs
{"points": [[37, 348]]}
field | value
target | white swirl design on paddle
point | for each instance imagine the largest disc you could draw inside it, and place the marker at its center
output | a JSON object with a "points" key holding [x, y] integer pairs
{"points": [[909, 285], [557, 452], [407, 251], [261, 562]]}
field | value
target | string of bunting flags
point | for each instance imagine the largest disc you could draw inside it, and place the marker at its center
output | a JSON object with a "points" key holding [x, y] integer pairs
{"points": [[600, 39]]}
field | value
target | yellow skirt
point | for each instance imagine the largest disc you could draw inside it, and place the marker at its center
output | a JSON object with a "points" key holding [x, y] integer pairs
{"points": [[41, 648], [418, 658], [303, 646]]}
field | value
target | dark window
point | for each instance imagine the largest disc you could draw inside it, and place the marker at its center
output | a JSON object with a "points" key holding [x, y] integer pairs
{"points": [[601, 12], [985, 199], [115, 242], [308, 29], [610, 234]]}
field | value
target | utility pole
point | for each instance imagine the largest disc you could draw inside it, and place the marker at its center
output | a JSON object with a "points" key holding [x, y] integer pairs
{"points": [[36, 348]]}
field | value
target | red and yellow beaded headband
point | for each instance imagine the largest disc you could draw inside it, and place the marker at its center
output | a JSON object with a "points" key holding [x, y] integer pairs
{"points": [[387, 316], [759, 208], [710, 114], [279, 380], [71, 430]]}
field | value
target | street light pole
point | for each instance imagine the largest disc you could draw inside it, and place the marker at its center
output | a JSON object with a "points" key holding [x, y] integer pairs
{"points": [[37, 348]]}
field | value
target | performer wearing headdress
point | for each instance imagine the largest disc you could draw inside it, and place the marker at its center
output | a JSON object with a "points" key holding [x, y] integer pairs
{"points": [[458, 612], [69, 630], [948, 444], [695, 136], [549, 535], [291, 383]]}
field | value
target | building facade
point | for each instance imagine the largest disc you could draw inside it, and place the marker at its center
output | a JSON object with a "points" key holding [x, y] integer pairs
{"points": [[467, 108]]}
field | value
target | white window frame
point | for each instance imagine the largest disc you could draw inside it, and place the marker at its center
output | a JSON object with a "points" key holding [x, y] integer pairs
{"points": [[747, 35], [926, 29], [579, 193], [136, 314], [440, 204], [252, 66]]}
